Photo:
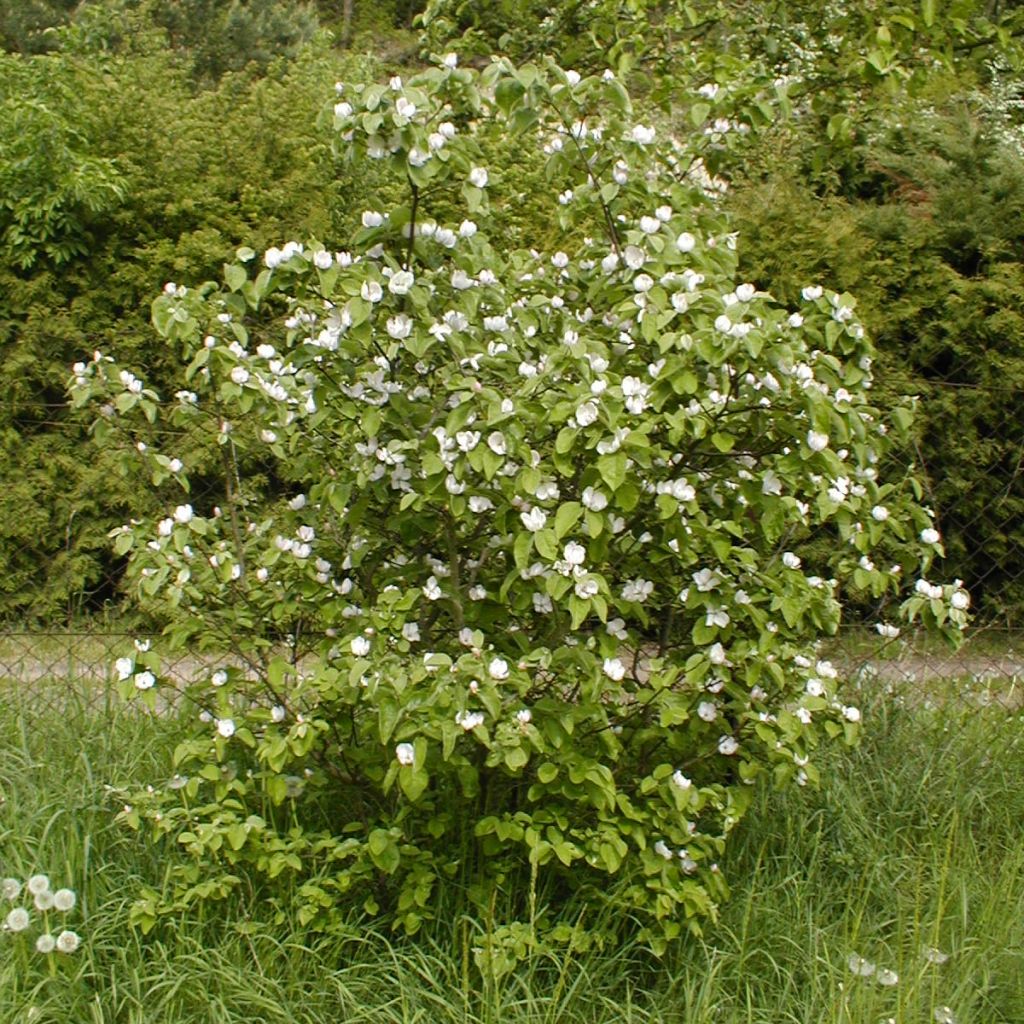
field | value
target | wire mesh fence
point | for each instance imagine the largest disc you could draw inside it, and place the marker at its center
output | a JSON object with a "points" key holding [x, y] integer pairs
{"points": [[64, 615]]}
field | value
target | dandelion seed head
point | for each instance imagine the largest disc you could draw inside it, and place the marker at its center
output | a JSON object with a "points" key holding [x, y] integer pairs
{"points": [[17, 920], [37, 884], [64, 900]]}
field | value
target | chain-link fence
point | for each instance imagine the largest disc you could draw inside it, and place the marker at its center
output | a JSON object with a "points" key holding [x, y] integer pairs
{"points": [[65, 494]]}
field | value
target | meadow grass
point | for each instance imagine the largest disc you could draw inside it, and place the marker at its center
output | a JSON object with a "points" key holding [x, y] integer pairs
{"points": [[913, 843]]}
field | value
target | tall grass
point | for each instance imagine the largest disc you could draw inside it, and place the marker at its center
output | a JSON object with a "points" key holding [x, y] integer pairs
{"points": [[914, 843]]}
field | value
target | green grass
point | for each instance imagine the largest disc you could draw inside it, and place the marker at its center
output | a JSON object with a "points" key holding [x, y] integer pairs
{"points": [[914, 841]]}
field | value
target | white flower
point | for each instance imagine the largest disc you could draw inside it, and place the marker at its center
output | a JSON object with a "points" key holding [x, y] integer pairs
{"points": [[360, 646], [67, 942], [587, 588], [400, 282], [816, 441], [594, 499], [886, 977], [145, 680], [277, 713], [680, 780], [643, 134], [662, 850], [637, 590], [478, 176], [43, 900], [930, 536], [469, 719], [534, 520], [685, 242], [791, 561], [183, 514], [124, 667], [524, 716], [960, 600], [17, 920], [372, 218], [45, 943], [706, 579], [432, 589], [851, 714], [405, 753], [37, 884], [10, 888], [399, 326], [796, 320], [717, 655], [467, 440], [728, 746], [707, 711], [717, 617], [811, 292], [405, 107], [498, 668], [880, 513], [574, 553], [617, 628], [614, 669], [226, 727], [371, 291], [496, 442], [586, 414]]}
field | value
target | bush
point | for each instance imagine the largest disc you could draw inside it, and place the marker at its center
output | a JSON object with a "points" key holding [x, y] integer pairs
{"points": [[532, 613]]}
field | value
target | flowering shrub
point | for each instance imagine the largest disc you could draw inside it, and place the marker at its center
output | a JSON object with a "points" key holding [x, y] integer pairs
{"points": [[536, 602]]}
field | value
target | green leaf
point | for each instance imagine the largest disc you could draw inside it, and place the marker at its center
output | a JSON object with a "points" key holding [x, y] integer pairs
{"points": [[383, 851], [387, 715], [546, 544], [699, 113], [237, 835], [235, 276], [567, 517], [507, 93], [613, 469]]}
